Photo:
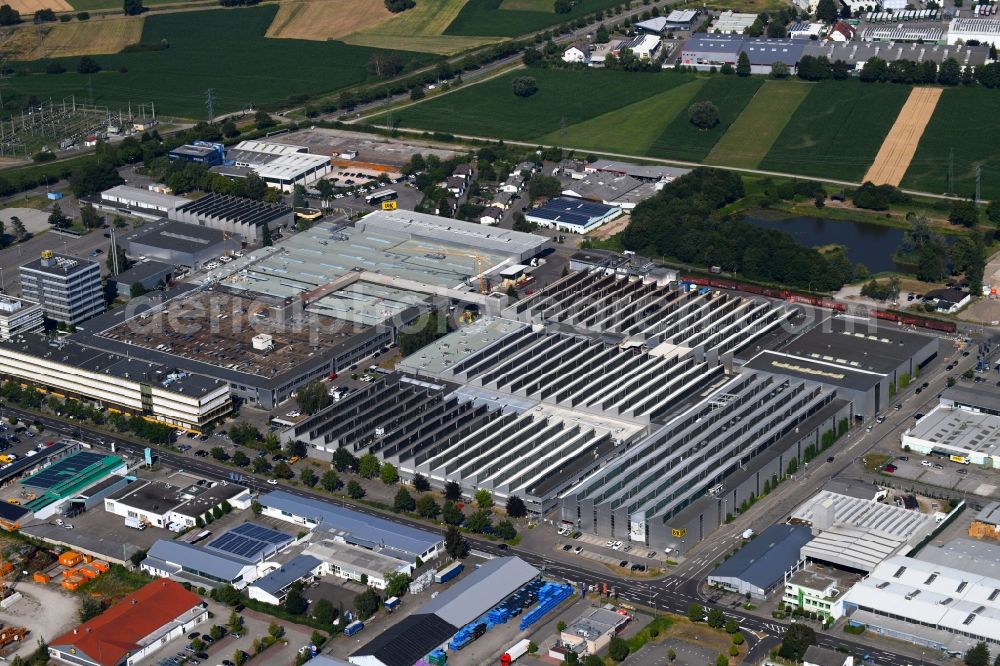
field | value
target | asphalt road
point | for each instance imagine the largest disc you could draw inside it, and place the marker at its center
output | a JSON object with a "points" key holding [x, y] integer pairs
{"points": [[672, 593]]}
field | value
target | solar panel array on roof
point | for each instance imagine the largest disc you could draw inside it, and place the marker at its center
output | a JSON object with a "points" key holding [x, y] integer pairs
{"points": [[64, 469], [250, 541], [571, 211]]}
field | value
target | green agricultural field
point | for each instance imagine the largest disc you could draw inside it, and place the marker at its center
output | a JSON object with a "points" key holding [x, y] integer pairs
{"points": [[491, 109], [974, 144], [681, 140], [634, 128], [488, 18], [750, 138], [221, 49], [837, 130]]}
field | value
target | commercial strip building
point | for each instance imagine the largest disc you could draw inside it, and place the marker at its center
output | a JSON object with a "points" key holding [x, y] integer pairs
{"points": [[133, 629], [236, 216], [178, 243], [963, 435], [68, 289], [273, 587], [761, 566], [344, 560], [117, 382], [342, 524], [434, 623], [933, 605], [19, 315], [572, 215], [160, 504]]}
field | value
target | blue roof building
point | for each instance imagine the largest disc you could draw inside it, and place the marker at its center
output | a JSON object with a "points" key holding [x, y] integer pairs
{"points": [[705, 51], [364, 530], [761, 565]]}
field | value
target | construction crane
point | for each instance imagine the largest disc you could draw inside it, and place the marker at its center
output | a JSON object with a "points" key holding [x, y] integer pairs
{"points": [[480, 275]]}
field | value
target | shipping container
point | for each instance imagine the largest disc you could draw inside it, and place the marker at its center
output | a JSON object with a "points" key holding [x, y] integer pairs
{"points": [[41, 578], [449, 572], [392, 603], [353, 628], [70, 558]]}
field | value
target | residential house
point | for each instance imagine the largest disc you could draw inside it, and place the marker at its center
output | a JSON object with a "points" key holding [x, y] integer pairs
{"points": [[513, 184], [463, 171], [578, 53], [841, 32], [456, 185], [948, 300], [503, 200], [491, 216]]}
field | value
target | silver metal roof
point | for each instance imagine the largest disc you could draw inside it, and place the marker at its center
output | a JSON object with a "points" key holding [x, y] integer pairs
{"points": [[481, 590]]}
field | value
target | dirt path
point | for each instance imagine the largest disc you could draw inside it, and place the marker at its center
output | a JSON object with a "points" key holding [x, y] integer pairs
{"points": [[900, 144], [612, 228]]}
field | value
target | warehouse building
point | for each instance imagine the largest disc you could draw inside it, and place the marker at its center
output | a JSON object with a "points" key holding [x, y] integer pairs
{"points": [[732, 23], [139, 201], [133, 629], [160, 504], [864, 360], [705, 51], [858, 534], [199, 152], [761, 566], [902, 32], [178, 243], [676, 486], [976, 398], [643, 172], [983, 30], [75, 483], [572, 215], [936, 606], [434, 623], [236, 216], [148, 275], [117, 382], [856, 54], [351, 527], [964, 436], [186, 563], [19, 315], [281, 166], [624, 192], [68, 289], [983, 557], [498, 444]]}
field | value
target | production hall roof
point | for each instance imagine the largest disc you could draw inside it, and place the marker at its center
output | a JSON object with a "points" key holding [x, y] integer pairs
{"points": [[294, 569], [481, 590], [764, 560], [959, 429], [178, 236], [178, 556], [357, 528]]}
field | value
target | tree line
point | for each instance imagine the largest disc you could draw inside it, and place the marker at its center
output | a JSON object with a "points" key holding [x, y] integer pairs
{"points": [[683, 223]]}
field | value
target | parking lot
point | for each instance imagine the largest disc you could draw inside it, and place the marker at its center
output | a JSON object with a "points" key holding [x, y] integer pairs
{"points": [[941, 472]]}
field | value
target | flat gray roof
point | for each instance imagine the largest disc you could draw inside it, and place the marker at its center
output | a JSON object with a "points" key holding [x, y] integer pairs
{"points": [[960, 429], [982, 396], [983, 557], [144, 197], [481, 590], [445, 352], [764, 561], [295, 569], [179, 236], [197, 559], [814, 370]]}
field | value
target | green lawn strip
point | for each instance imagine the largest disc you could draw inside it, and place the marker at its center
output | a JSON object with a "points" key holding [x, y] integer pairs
{"points": [[974, 145], [486, 18], [837, 130], [631, 129], [681, 140], [753, 134], [491, 109], [222, 49]]}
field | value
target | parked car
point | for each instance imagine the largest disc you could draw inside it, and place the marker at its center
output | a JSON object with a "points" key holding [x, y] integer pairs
{"points": [[926, 463], [889, 469], [961, 471]]}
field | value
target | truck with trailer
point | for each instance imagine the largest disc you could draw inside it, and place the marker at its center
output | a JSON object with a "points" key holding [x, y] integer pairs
{"points": [[392, 603], [134, 523], [354, 627], [449, 572], [515, 651]]}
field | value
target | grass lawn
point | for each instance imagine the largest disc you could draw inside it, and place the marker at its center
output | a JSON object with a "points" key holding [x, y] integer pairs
{"points": [[221, 49], [681, 140], [491, 109], [950, 129], [116, 583], [837, 130], [751, 136], [489, 18], [631, 129]]}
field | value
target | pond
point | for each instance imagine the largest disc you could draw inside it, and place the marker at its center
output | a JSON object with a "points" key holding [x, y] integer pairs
{"points": [[871, 244]]}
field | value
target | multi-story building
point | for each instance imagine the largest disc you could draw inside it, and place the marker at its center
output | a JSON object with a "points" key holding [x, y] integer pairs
{"points": [[68, 289], [120, 383], [18, 315], [814, 591]]}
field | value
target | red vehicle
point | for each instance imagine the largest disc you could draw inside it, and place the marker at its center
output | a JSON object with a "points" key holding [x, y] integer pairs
{"points": [[889, 469]]}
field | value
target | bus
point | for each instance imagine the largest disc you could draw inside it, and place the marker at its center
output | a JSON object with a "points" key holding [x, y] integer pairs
{"points": [[379, 196]]}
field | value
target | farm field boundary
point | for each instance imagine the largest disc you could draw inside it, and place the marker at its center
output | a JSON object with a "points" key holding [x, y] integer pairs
{"points": [[320, 20], [754, 132], [900, 144]]}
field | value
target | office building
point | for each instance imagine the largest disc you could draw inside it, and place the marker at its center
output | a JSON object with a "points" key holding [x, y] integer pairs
{"points": [[68, 289], [19, 315]]}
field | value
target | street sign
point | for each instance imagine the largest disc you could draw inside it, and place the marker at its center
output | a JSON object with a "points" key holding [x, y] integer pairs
{"points": [[388, 205]]}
